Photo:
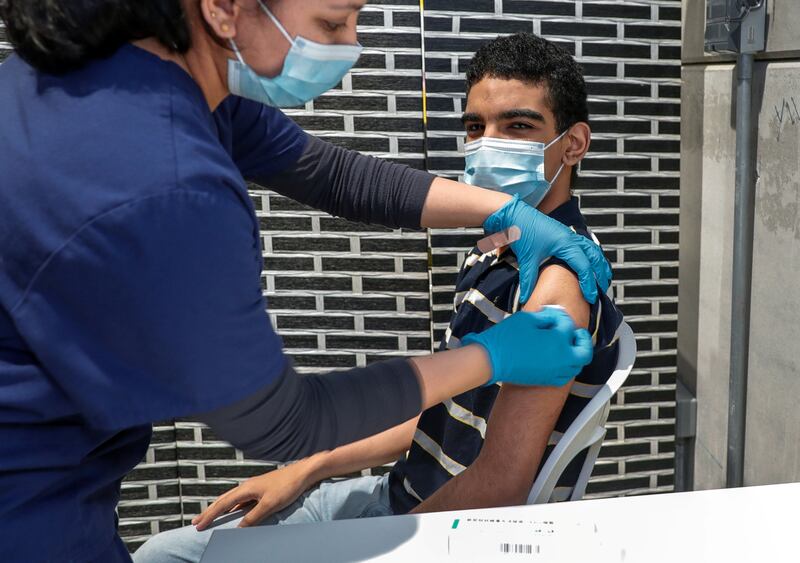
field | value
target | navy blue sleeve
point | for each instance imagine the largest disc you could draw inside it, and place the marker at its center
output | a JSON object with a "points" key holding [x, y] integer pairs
{"points": [[358, 187], [302, 415], [161, 311], [269, 148], [261, 139]]}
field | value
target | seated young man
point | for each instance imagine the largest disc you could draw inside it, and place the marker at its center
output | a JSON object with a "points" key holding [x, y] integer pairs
{"points": [[482, 448]]}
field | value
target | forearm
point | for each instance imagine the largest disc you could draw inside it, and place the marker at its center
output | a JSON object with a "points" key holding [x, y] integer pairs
{"points": [[446, 374], [370, 190], [299, 416], [474, 488], [374, 451], [358, 187], [452, 204], [517, 433]]}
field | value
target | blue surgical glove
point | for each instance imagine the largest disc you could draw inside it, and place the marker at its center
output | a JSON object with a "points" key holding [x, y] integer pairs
{"points": [[542, 348], [543, 237]]}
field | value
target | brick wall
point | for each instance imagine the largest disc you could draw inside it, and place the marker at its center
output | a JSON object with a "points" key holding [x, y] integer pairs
{"points": [[343, 294]]}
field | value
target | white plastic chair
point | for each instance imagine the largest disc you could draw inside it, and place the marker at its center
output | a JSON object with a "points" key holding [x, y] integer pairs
{"points": [[586, 431]]}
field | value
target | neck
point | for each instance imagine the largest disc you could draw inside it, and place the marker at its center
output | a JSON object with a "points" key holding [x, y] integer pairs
{"points": [[205, 61], [558, 195], [559, 192]]}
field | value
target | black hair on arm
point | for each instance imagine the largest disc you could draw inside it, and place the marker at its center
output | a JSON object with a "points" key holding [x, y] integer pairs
{"points": [[529, 58], [57, 36]]}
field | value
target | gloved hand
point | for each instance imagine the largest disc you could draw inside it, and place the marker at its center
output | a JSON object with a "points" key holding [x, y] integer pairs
{"points": [[543, 237], [542, 348]]}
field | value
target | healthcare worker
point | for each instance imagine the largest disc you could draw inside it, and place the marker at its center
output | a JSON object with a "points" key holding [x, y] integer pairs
{"points": [[130, 255]]}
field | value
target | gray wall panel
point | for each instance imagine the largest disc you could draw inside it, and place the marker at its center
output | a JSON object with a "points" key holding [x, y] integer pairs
{"points": [[772, 448], [782, 18]]}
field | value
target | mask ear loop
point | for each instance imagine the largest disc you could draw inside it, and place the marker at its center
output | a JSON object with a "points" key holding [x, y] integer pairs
{"points": [[551, 143], [236, 51], [277, 23], [560, 168]]}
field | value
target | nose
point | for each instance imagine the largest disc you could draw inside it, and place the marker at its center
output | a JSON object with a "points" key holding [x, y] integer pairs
{"points": [[491, 130], [350, 35]]}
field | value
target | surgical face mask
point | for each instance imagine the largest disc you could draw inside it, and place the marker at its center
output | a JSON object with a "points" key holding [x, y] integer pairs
{"points": [[509, 166], [309, 70]]}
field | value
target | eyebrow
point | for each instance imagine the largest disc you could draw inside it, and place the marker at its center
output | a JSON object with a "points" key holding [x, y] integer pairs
{"points": [[529, 113], [510, 114]]}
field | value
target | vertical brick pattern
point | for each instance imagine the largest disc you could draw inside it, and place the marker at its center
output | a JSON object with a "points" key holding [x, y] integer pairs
{"points": [[628, 185], [151, 494], [344, 294]]}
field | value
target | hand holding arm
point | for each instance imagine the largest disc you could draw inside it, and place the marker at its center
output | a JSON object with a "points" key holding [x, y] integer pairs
{"points": [[544, 237], [541, 348]]}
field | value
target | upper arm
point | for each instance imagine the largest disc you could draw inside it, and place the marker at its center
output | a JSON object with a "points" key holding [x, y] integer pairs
{"points": [[557, 285], [523, 418], [264, 140]]}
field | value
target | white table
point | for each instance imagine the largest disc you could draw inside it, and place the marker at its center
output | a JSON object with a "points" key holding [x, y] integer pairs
{"points": [[752, 525]]}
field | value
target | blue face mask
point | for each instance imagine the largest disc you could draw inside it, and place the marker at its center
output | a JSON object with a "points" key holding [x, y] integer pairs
{"points": [[309, 70], [509, 166]]}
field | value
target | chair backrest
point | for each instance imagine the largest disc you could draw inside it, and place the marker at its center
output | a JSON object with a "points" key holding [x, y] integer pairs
{"points": [[586, 431]]}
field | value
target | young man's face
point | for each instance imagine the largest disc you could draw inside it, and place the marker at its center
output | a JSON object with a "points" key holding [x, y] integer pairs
{"points": [[512, 109]]}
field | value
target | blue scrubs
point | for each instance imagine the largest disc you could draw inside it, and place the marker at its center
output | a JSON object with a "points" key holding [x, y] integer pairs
{"points": [[129, 250]]}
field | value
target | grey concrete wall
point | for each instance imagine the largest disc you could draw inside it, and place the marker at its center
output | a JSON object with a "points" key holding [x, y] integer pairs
{"points": [[712, 224], [707, 193], [783, 31], [773, 417]]}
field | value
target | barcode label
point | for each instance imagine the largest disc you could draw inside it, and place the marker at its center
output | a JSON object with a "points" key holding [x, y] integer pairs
{"points": [[519, 548]]}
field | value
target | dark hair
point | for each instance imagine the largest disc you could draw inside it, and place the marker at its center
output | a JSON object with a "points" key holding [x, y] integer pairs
{"points": [[60, 35], [529, 58]]}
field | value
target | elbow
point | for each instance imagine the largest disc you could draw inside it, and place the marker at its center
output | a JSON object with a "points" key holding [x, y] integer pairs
{"points": [[513, 494], [282, 422], [288, 440], [509, 486], [281, 452], [520, 496], [294, 439], [272, 454], [504, 494]]}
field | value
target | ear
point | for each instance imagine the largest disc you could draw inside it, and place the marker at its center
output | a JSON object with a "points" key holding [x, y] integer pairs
{"points": [[221, 16], [579, 138]]}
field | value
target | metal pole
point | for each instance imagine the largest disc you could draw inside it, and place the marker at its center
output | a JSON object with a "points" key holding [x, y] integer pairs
{"points": [[742, 273], [426, 158]]}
